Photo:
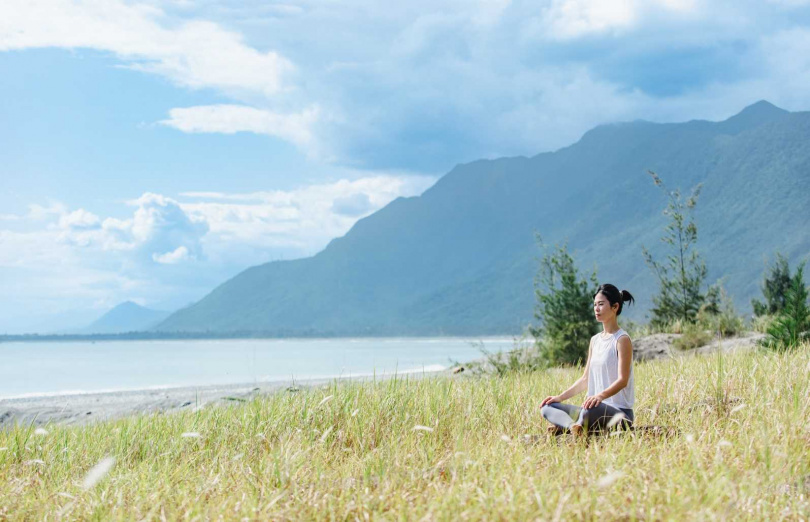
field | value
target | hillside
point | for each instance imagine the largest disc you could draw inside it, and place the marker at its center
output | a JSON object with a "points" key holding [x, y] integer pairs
{"points": [[460, 259], [126, 317]]}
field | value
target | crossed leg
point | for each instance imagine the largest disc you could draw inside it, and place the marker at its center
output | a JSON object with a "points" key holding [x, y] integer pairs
{"points": [[592, 419]]}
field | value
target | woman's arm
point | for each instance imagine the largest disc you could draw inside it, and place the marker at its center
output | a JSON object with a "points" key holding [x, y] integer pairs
{"points": [[625, 349], [578, 387]]}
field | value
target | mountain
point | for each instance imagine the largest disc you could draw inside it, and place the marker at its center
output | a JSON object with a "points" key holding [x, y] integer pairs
{"points": [[126, 317], [460, 259]]}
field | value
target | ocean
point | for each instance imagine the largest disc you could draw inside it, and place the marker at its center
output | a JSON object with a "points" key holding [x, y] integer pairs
{"points": [[55, 368]]}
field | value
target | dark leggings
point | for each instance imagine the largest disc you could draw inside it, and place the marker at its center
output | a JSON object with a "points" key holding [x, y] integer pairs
{"points": [[592, 419]]}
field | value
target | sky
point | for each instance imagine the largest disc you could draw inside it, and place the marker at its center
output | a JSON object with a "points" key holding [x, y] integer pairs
{"points": [[151, 150]]}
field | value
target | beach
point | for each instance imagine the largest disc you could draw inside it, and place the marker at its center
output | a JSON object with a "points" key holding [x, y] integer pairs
{"points": [[85, 408]]}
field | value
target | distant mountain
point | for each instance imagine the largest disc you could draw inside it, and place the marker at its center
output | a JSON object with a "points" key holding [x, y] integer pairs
{"points": [[126, 317], [460, 259]]}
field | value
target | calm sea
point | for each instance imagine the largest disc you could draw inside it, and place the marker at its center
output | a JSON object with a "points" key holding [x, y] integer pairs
{"points": [[31, 369]]}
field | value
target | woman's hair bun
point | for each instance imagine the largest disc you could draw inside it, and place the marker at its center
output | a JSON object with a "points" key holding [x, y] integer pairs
{"points": [[627, 296]]}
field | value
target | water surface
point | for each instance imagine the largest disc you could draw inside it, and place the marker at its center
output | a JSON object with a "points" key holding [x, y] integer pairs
{"points": [[45, 368]]}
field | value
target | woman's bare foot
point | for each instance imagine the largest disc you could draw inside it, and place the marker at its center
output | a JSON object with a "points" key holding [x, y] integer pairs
{"points": [[577, 431], [554, 431]]}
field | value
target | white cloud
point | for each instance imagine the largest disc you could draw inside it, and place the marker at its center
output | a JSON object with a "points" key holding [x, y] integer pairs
{"points": [[194, 54], [178, 255], [573, 18], [566, 19], [41, 213], [293, 223], [229, 119], [79, 220], [171, 251]]}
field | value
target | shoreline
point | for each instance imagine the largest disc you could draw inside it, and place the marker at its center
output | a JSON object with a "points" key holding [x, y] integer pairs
{"points": [[77, 409]]}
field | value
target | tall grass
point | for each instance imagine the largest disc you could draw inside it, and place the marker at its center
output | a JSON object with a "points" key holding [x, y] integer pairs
{"points": [[438, 448]]}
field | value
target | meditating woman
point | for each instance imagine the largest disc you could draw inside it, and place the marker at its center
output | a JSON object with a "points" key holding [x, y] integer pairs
{"points": [[608, 375]]}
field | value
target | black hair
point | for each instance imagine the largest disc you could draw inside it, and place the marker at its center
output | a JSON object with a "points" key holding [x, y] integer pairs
{"points": [[614, 295]]}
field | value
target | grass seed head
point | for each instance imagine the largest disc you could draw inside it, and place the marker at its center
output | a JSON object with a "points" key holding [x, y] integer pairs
{"points": [[737, 408], [608, 479], [98, 472], [326, 433], [41, 432], [419, 427], [190, 435], [615, 420]]}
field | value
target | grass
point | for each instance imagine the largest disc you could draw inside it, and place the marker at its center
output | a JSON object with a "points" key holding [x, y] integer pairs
{"points": [[438, 448]]}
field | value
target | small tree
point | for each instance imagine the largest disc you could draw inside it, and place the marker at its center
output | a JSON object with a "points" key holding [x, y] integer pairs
{"points": [[792, 325], [774, 288], [564, 309], [682, 275]]}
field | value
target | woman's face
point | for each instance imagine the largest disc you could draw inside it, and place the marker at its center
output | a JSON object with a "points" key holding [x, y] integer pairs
{"points": [[602, 309]]}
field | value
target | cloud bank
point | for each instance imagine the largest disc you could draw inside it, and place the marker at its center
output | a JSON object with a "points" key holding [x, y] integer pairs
{"points": [[171, 251], [423, 85]]}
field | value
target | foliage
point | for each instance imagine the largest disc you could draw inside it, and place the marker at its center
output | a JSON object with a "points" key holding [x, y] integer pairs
{"points": [[775, 287], [681, 276], [436, 448], [524, 357], [564, 309], [761, 323], [792, 325], [693, 336], [719, 314]]}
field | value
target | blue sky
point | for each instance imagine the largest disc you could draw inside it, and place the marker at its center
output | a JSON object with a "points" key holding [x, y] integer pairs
{"points": [[153, 149]]}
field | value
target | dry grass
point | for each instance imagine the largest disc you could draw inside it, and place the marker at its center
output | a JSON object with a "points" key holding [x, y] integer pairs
{"points": [[438, 448]]}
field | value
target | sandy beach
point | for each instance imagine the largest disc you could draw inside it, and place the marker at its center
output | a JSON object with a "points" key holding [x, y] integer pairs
{"points": [[91, 407], [85, 408]]}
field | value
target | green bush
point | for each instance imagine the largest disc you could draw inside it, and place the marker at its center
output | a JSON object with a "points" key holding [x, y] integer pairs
{"points": [[693, 336], [564, 309], [682, 274], [523, 358], [719, 314], [792, 325], [774, 288], [761, 323]]}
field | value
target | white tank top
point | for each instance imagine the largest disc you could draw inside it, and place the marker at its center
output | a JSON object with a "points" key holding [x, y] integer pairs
{"points": [[604, 371]]}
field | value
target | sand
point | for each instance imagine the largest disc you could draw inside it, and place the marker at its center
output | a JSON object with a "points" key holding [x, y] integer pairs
{"points": [[85, 408]]}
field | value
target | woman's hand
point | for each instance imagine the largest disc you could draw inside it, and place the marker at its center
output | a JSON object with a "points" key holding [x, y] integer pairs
{"points": [[550, 399], [592, 402]]}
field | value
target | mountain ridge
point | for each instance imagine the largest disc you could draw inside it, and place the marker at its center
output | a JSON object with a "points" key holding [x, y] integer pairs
{"points": [[460, 258]]}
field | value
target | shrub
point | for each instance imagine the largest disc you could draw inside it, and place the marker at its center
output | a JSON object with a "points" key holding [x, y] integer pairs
{"points": [[719, 313], [761, 323], [693, 336], [792, 325], [564, 309], [682, 275], [523, 358], [774, 288]]}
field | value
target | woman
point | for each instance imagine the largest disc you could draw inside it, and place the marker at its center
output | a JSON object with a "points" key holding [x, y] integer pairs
{"points": [[608, 375]]}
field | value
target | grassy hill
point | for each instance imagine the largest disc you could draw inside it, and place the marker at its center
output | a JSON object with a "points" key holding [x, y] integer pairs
{"points": [[447, 448], [461, 258]]}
